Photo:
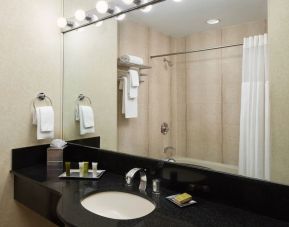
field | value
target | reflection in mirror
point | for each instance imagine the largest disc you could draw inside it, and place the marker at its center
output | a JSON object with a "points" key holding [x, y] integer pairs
{"points": [[89, 95], [193, 89], [198, 94]]}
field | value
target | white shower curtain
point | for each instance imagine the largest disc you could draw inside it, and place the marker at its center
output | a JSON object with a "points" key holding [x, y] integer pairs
{"points": [[254, 148]]}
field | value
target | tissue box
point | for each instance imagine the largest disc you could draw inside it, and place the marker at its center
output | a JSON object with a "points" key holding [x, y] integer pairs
{"points": [[55, 157]]}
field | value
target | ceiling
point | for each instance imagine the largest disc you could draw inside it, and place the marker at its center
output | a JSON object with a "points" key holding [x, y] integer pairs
{"points": [[179, 19]]}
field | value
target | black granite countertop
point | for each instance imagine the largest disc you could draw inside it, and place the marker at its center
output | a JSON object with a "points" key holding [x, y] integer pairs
{"points": [[203, 214]]}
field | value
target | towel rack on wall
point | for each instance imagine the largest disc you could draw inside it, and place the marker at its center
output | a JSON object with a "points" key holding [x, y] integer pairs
{"points": [[123, 68], [82, 97], [41, 97]]}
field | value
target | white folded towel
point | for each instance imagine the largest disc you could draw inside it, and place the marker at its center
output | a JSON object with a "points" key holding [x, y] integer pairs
{"points": [[133, 80], [39, 116], [134, 77], [46, 119], [88, 117], [129, 106], [86, 120], [131, 59]]}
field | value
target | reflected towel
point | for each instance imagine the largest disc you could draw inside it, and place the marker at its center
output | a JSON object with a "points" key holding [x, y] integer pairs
{"points": [[86, 120], [134, 78], [129, 106], [133, 82], [126, 58]]}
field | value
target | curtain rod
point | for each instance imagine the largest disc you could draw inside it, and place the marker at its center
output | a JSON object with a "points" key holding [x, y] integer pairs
{"points": [[195, 51]]}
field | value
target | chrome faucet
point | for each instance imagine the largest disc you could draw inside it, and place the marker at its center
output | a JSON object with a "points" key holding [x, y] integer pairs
{"points": [[143, 178]]}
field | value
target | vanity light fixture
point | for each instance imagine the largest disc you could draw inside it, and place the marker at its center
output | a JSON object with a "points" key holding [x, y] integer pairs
{"points": [[62, 23], [128, 2], [118, 10], [79, 15], [147, 8], [98, 24], [213, 21], [102, 6]]}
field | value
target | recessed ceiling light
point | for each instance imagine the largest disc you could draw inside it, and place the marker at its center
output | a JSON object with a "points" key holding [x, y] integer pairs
{"points": [[213, 21]]}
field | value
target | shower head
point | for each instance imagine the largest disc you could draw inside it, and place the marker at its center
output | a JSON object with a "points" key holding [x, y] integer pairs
{"points": [[170, 64]]}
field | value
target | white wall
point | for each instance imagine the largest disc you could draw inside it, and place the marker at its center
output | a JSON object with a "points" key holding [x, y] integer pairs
{"points": [[30, 62], [278, 30]]}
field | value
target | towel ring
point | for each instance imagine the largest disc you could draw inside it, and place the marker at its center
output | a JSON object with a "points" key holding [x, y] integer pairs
{"points": [[82, 97], [41, 97]]}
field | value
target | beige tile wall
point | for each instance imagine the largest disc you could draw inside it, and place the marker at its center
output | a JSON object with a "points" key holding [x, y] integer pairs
{"points": [[214, 92], [30, 62], [133, 133], [204, 97], [141, 136], [159, 94], [178, 98]]}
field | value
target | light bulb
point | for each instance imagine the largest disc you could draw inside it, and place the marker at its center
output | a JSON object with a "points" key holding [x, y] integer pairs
{"points": [[127, 2], [147, 8], [98, 24], [61, 22], [177, 0], [102, 6], [118, 10], [79, 15]]}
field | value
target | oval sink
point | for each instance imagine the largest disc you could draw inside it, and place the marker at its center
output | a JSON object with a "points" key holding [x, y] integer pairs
{"points": [[118, 205]]}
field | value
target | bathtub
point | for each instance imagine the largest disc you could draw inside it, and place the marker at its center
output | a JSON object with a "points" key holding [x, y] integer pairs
{"points": [[207, 164]]}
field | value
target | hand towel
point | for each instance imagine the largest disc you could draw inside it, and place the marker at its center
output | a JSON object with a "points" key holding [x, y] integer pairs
{"points": [[88, 117], [131, 59], [134, 77], [129, 106], [133, 90], [42, 134], [86, 120], [46, 119]]}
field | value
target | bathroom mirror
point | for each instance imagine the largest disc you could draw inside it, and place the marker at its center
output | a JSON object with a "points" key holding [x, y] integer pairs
{"points": [[90, 71], [189, 103]]}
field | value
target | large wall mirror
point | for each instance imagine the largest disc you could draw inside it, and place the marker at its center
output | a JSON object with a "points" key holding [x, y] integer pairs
{"points": [[190, 86]]}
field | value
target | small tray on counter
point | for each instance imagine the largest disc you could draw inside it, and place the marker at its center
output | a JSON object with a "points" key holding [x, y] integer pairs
{"points": [[172, 199], [75, 174]]}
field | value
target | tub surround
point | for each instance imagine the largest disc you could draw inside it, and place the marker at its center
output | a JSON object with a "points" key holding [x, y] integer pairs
{"points": [[223, 199]]}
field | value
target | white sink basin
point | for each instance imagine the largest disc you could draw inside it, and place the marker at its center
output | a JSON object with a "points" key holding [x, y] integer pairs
{"points": [[118, 205]]}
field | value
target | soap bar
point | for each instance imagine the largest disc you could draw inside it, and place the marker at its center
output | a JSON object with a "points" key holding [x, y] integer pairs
{"points": [[183, 198]]}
